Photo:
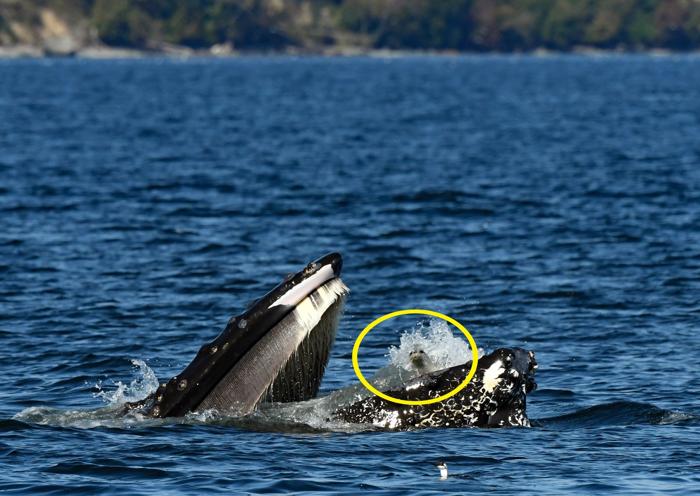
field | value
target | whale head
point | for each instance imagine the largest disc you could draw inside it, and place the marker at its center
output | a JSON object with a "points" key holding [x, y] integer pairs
{"points": [[276, 350], [495, 397]]}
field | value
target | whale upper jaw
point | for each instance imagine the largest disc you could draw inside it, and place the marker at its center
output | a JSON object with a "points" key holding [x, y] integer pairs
{"points": [[495, 397], [281, 341]]}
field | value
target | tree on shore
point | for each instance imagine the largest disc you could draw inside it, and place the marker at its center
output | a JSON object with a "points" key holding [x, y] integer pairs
{"points": [[464, 25]]}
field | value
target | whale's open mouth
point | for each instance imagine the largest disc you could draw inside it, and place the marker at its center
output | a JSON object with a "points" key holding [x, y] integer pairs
{"points": [[276, 350]]}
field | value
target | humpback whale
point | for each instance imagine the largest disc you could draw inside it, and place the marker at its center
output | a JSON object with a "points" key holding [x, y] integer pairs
{"points": [[277, 350], [495, 397]]}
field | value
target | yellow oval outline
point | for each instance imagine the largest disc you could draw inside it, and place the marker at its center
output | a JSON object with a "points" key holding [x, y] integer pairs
{"points": [[414, 311]]}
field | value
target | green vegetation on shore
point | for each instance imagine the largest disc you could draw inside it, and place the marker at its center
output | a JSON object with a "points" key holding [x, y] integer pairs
{"points": [[463, 25]]}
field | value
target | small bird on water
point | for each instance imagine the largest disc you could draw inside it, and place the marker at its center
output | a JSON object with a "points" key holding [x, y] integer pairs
{"points": [[443, 469]]}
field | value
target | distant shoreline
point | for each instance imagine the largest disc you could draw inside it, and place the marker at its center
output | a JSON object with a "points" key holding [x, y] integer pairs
{"points": [[99, 29], [182, 52]]}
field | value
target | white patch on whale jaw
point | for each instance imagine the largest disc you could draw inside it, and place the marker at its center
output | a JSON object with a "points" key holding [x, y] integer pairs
{"points": [[492, 376], [298, 293], [279, 360], [388, 420]]}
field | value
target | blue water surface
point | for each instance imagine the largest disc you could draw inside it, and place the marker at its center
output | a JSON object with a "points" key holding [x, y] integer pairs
{"points": [[549, 203]]}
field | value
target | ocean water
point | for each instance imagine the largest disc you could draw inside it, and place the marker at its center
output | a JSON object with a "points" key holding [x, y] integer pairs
{"points": [[548, 203]]}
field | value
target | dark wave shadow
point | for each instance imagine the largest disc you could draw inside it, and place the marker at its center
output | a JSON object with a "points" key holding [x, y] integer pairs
{"points": [[618, 413]]}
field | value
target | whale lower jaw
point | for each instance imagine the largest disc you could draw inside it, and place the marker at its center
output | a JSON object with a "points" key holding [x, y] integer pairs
{"points": [[496, 397], [288, 363]]}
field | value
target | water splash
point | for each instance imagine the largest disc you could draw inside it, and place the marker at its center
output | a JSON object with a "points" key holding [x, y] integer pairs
{"points": [[436, 339], [141, 386], [112, 415]]}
